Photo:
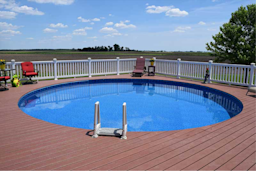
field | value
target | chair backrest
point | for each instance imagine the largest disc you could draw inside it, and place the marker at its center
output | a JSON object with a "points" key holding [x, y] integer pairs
{"points": [[140, 63], [27, 66]]}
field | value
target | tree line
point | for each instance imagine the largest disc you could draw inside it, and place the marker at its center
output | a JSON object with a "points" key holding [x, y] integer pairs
{"points": [[115, 47]]}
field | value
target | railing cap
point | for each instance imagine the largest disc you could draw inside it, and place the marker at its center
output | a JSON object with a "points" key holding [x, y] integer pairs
{"points": [[178, 59], [252, 64], [210, 61], [13, 60]]}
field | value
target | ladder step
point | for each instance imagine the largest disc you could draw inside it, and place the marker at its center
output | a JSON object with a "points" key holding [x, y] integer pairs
{"points": [[110, 131]]}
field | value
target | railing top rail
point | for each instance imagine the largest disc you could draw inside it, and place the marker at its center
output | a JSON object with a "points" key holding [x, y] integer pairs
{"points": [[102, 60], [35, 62], [192, 62], [66, 61], [129, 59], [232, 65], [165, 60]]}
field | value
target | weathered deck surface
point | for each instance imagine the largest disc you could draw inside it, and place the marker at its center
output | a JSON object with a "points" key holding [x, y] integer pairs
{"points": [[27, 143]]}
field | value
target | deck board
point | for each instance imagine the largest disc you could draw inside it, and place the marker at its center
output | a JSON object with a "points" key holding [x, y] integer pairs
{"points": [[27, 143]]}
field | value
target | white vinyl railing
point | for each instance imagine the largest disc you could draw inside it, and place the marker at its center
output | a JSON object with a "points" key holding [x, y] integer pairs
{"points": [[244, 75]]}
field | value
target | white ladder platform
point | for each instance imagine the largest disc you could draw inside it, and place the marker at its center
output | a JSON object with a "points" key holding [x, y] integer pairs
{"points": [[110, 131]]}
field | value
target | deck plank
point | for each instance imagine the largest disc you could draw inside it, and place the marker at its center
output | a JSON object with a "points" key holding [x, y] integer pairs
{"points": [[247, 163], [29, 143]]}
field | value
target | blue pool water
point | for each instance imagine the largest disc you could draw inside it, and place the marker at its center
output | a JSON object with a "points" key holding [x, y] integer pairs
{"points": [[152, 105]]}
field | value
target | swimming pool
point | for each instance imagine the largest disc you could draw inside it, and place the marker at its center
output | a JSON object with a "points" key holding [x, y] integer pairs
{"points": [[152, 105]]}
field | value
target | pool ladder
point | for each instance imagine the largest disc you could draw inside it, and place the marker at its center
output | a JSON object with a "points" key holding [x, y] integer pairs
{"points": [[109, 131]]}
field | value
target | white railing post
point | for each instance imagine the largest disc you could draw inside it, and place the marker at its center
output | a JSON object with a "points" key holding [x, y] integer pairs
{"points": [[141, 57], [155, 61], [13, 66], [90, 66], [124, 122], [117, 67], [55, 68], [178, 68], [251, 74], [210, 71]]}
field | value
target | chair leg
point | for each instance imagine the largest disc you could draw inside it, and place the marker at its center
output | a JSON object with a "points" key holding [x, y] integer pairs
{"points": [[4, 86], [5, 83], [247, 92], [29, 80]]}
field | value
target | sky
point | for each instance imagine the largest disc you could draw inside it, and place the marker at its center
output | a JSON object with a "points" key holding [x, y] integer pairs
{"points": [[170, 25]]}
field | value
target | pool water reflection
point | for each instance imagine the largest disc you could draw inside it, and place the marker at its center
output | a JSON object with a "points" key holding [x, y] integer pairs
{"points": [[152, 105]]}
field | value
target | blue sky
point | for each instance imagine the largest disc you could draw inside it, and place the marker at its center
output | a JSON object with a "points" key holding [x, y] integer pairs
{"points": [[171, 25]]}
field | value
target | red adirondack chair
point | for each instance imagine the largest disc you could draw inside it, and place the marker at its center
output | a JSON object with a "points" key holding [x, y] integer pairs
{"points": [[28, 71], [139, 68]]}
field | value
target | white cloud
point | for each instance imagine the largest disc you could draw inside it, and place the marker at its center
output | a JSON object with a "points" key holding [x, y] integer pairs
{"points": [[87, 28], [112, 35], [58, 25], [147, 4], [62, 38], [30, 38], [6, 26], [168, 10], [158, 9], [109, 23], [96, 19], [82, 31], [102, 18], [92, 23], [122, 25], [3, 2], [202, 23], [212, 29], [48, 30], [110, 15], [9, 32], [127, 21], [7, 15], [56, 2], [94, 37], [108, 35], [108, 30], [12, 6], [181, 29], [116, 34], [83, 20], [27, 10]]}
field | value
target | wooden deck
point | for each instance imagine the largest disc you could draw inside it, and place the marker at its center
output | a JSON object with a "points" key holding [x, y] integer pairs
{"points": [[27, 143]]}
